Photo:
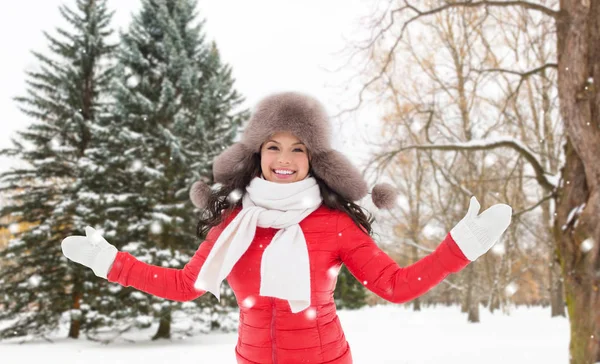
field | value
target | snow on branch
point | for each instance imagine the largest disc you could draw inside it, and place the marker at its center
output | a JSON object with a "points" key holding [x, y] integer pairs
{"points": [[485, 3], [486, 144]]}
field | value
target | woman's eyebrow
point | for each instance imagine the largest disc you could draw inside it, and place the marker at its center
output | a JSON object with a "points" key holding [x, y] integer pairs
{"points": [[275, 141]]}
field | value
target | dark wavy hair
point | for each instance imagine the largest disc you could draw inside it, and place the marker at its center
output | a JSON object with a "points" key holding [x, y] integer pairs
{"points": [[219, 205]]}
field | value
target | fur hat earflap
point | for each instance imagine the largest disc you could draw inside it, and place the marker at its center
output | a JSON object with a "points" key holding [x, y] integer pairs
{"points": [[333, 168], [199, 194], [384, 196]]}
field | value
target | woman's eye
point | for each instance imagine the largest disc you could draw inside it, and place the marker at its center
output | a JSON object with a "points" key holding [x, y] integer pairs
{"points": [[275, 148]]}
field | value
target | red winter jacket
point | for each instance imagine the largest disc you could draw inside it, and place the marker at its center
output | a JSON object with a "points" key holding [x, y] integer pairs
{"points": [[268, 331]]}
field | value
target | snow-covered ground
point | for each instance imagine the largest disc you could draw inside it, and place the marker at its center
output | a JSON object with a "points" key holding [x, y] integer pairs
{"points": [[390, 334]]}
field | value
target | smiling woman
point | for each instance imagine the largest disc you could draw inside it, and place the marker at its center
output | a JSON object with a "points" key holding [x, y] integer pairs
{"points": [[280, 243], [284, 158]]}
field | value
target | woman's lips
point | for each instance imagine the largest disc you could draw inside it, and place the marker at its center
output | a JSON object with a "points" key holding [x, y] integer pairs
{"points": [[283, 176]]}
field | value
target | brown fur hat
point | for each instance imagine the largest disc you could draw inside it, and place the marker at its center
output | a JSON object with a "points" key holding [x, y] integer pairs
{"points": [[307, 119]]}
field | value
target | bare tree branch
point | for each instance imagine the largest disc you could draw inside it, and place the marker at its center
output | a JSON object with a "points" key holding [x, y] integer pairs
{"points": [[481, 145], [524, 75], [473, 4], [534, 206], [423, 13]]}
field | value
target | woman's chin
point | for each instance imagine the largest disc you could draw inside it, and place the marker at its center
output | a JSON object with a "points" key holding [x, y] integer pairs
{"points": [[285, 180]]}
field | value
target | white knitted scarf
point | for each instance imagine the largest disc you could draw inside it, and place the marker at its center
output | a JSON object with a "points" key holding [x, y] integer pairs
{"points": [[285, 268]]}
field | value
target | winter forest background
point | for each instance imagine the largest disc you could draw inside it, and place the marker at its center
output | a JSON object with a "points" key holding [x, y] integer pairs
{"points": [[121, 106]]}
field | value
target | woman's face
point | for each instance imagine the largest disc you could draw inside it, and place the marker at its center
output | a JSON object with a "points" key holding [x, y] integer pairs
{"points": [[284, 153]]}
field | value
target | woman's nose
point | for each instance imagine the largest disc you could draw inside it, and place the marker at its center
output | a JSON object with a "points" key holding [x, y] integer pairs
{"points": [[284, 158]]}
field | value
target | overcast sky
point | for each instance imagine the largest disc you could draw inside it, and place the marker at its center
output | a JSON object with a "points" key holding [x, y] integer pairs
{"points": [[272, 45]]}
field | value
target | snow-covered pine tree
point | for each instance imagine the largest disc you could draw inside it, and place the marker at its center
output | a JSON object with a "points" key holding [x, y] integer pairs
{"points": [[46, 197], [173, 113]]}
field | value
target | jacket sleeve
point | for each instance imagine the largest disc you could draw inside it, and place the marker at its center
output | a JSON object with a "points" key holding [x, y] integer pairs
{"points": [[172, 284], [382, 275]]}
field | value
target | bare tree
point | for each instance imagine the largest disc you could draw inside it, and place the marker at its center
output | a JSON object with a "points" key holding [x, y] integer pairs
{"points": [[576, 197], [418, 96]]}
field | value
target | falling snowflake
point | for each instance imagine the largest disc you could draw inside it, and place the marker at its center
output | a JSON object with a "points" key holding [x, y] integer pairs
{"points": [[156, 227], [365, 283], [511, 289], [311, 313], [136, 165], [34, 280], [333, 271], [499, 249], [200, 284], [249, 302], [13, 228], [133, 81], [235, 195], [490, 160], [587, 245]]}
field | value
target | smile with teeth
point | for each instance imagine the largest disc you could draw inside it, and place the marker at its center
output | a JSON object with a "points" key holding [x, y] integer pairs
{"points": [[283, 172]]}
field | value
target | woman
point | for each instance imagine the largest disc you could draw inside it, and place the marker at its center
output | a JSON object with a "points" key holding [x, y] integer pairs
{"points": [[282, 243]]}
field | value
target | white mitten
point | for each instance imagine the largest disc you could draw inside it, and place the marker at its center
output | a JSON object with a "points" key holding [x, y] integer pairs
{"points": [[475, 235], [91, 250]]}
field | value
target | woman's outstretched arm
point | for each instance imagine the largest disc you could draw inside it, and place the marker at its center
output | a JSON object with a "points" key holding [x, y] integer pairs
{"points": [[383, 276], [472, 237], [172, 284]]}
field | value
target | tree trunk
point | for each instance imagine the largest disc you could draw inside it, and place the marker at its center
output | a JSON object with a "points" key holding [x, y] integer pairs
{"points": [[416, 303], [557, 298], [579, 265], [75, 319], [494, 302], [164, 327], [555, 286], [577, 232], [467, 299], [473, 312], [471, 305]]}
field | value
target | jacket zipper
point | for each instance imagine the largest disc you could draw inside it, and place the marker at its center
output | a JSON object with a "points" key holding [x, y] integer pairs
{"points": [[273, 342]]}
